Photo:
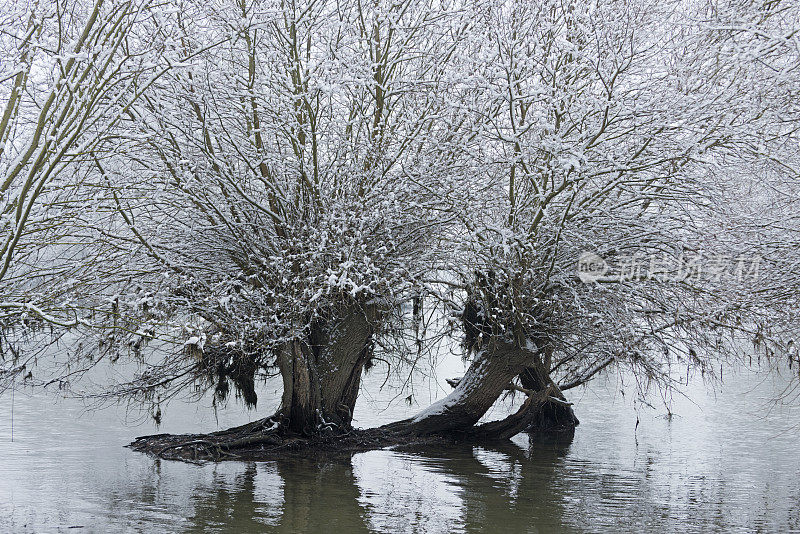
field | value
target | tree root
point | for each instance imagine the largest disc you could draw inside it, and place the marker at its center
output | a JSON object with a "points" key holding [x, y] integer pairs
{"points": [[214, 446], [268, 438], [271, 437], [256, 444]]}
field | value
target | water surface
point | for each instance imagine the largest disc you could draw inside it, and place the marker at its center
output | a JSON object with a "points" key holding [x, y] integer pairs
{"points": [[727, 460]]}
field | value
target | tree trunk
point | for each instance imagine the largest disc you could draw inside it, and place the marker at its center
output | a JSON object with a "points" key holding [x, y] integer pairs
{"points": [[551, 415], [493, 368], [489, 375], [322, 374]]}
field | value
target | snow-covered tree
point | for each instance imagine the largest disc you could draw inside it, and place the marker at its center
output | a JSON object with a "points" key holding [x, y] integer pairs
{"points": [[583, 186], [69, 73], [276, 202], [658, 140]]}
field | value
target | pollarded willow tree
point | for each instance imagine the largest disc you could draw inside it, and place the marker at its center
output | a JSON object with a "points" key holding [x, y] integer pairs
{"points": [[275, 202], [638, 134], [658, 141]]}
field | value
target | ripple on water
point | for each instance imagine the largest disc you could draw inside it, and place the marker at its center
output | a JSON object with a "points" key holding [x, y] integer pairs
{"points": [[725, 461]]}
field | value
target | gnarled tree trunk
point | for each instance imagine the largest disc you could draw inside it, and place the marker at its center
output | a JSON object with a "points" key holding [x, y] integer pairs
{"points": [[552, 414], [493, 368], [322, 374]]}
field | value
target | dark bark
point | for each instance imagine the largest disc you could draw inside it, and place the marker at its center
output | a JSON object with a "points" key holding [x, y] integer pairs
{"points": [[552, 415], [332, 363], [492, 371], [322, 374], [493, 368]]}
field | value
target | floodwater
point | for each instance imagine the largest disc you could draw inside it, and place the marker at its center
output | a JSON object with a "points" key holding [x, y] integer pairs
{"points": [[726, 460]]}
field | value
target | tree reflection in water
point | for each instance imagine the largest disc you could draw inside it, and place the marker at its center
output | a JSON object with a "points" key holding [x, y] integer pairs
{"points": [[458, 488], [299, 495], [720, 465]]}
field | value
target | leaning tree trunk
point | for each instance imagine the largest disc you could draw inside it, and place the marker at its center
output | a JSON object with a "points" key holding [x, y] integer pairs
{"points": [[490, 373], [321, 378], [322, 374]]}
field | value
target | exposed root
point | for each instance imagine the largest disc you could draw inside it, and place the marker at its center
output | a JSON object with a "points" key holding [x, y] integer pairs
{"points": [[270, 438], [215, 446], [261, 440]]}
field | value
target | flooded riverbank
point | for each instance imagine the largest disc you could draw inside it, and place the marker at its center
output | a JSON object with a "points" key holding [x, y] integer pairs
{"points": [[726, 460]]}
